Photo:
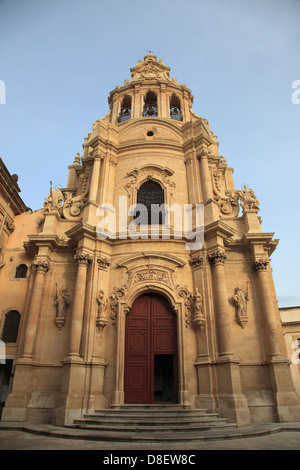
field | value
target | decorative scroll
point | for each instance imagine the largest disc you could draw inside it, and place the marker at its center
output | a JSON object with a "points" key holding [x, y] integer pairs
{"points": [[184, 293], [116, 295], [227, 200], [73, 204]]}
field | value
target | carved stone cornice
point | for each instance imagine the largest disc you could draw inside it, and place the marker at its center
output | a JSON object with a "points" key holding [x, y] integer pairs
{"points": [[218, 229], [83, 259], [261, 264], [217, 257]]}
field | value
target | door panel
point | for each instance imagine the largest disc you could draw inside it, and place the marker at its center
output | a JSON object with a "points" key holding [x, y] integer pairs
{"points": [[150, 334]]}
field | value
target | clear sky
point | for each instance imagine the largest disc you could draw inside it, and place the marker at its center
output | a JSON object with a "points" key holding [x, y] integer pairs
{"points": [[60, 59]]}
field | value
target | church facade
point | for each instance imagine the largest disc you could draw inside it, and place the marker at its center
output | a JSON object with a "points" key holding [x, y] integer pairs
{"points": [[147, 278]]}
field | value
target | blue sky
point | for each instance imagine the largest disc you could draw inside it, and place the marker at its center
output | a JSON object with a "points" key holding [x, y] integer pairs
{"points": [[59, 60]]}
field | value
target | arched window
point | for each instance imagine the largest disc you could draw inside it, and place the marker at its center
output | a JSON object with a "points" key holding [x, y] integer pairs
{"points": [[125, 113], [150, 106], [175, 111], [21, 271], [11, 327], [151, 193]]}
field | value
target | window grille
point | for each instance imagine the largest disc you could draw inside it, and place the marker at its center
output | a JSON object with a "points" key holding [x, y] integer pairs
{"points": [[21, 271], [151, 193]]}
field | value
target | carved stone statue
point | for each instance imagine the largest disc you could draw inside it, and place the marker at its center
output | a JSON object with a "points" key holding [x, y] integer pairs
{"points": [[248, 198], [54, 201], [199, 318], [62, 301], [101, 320], [241, 298]]}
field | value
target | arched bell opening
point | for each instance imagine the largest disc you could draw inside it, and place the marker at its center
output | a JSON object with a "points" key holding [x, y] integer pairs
{"points": [[125, 113], [150, 105], [175, 108]]}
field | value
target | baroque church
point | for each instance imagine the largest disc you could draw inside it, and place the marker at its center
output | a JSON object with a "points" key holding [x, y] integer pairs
{"points": [[106, 303]]}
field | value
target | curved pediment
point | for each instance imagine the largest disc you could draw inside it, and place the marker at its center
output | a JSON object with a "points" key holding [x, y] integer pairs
{"points": [[151, 257]]}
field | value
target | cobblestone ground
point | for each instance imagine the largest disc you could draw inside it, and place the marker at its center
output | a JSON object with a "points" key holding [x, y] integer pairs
{"points": [[18, 440]]}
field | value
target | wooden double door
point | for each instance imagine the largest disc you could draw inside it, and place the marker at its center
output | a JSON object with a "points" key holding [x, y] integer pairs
{"points": [[150, 352]]}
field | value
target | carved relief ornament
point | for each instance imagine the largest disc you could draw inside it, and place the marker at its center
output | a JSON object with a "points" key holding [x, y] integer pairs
{"points": [[227, 199], [75, 200], [137, 175]]}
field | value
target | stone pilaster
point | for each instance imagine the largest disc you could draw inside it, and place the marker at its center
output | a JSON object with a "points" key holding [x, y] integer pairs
{"points": [[83, 261], [41, 266], [260, 266], [217, 259]]}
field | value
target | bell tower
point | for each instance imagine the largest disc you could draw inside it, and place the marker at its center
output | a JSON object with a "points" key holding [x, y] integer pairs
{"points": [[150, 93]]}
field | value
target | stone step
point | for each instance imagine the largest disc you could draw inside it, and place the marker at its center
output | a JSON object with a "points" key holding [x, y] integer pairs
{"points": [[144, 419], [151, 420], [153, 429]]}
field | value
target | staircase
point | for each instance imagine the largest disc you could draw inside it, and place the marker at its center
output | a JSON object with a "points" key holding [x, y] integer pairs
{"points": [[152, 422]]}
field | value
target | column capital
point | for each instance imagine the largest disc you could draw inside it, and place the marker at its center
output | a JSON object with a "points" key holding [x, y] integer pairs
{"points": [[103, 263], [261, 264], [217, 257], [197, 261], [83, 259], [42, 265]]}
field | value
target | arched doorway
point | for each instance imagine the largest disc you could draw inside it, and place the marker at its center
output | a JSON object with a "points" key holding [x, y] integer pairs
{"points": [[150, 352]]}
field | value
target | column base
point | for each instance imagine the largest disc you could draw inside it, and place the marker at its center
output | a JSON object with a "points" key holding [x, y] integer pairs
{"points": [[232, 403], [287, 402]]}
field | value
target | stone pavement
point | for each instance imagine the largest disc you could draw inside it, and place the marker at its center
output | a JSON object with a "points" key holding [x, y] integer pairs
{"points": [[276, 436]]}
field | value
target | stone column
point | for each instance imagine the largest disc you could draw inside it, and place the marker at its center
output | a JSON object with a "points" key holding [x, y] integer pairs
{"points": [[205, 176], [268, 306], [287, 402], [83, 261], [232, 402], [217, 259], [42, 266]]}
